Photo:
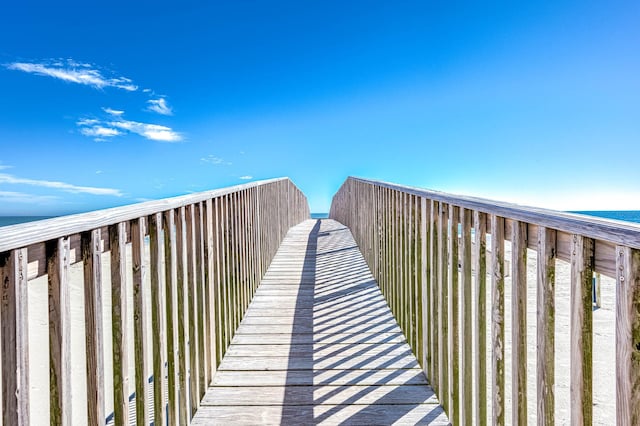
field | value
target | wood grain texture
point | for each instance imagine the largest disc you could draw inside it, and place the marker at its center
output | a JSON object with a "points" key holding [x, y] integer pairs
{"points": [[171, 282], [60, 406], [581, 331], [454, 315], [479, 257], [313, 366], [466, 384], [519, 323], [119, 326], [546, 325], [157, 321], [497, 319], [14, 338], [140, 326], [93, 326], [628, 337]]}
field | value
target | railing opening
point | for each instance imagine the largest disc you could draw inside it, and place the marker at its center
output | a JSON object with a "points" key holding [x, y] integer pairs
{"points": [[125, 313]]}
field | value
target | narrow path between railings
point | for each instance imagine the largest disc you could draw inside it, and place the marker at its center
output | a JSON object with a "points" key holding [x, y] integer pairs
{"points": [[319, 345]]}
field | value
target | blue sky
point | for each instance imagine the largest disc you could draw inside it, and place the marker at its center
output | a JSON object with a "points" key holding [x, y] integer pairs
{"points": [[114, 103]]}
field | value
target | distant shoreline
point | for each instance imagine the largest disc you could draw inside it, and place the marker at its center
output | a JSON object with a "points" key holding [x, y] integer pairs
{"points": [[624, 215]]}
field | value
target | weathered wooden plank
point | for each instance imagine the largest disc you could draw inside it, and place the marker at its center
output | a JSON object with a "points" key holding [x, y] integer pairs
{"points": [[360, 377], [171, 278], [90, 242], [14, 338], [628, 337], [497, 320], [454, 316], [546, 325], [443, 307], [479, 301], [157, 320], [191, 316], [255, 396], [318, 350], [325, 415], [519, 322], [466, 384], [324, 338], [140, 320], [181, 287], [119, 326], [581, 331], [57, 253]]}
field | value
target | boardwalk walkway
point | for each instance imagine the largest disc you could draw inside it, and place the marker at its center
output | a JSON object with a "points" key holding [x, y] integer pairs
{"points": [[318, 345]]}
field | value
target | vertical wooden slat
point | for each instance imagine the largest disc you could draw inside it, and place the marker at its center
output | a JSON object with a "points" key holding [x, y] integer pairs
{"points": [[210, 316], [140, 320], [627, 336], [435, 295], [582, 260], [454, 317], [199, 302], [546, 325], [519, 322], [182, 282], [120, 338], [191, 311], [497, 319], [171, 278], [466, 388], [443, 305], [157, 320], [427, 320], [90, 243], [15, 338], [57, 252], [480, 302]]}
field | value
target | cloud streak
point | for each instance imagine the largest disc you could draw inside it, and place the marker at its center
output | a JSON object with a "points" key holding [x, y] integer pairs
{"points": [[160, 106], [66, 187], [74, 72], [216, 161], [246, 177], [118, 126], [22, 197]]}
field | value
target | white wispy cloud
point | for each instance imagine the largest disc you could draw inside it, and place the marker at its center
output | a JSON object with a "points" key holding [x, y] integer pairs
{"points": [[113, 112], [67, 187], [160, 106], [22, 197], [74, 72], [246, 177], [216, 161], [154, 132], [100, 132], [117, 126]]}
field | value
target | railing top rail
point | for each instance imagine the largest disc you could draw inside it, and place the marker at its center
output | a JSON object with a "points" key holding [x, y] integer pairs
{"points": [[614, 231], [26, 234]]}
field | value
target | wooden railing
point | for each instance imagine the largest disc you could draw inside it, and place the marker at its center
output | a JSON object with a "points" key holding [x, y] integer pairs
{"points": [[189, 266], [431, 253]]}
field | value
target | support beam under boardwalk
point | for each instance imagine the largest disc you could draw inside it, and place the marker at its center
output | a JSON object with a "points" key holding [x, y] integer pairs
{"points": [[318, 345]]}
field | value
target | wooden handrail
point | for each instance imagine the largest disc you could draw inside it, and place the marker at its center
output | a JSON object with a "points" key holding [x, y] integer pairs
{"points": [[427, 249], [195, 262]]}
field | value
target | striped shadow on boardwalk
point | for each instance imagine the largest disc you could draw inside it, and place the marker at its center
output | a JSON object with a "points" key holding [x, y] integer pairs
{"points": [[318, 345]]}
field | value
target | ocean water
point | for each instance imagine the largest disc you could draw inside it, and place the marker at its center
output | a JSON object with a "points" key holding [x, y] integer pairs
{"points": [[319, 215], [14, 220]]}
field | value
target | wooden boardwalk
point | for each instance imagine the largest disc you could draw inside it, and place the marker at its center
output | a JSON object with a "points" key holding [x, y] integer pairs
{"points": [[318, 345]]}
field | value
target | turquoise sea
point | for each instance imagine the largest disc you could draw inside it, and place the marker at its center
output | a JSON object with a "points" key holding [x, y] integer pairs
{"points": [[626, 215]]}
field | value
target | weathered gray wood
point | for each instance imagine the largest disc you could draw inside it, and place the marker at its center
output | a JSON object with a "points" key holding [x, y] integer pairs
{"points": [[119, 326], [546, 325], [57, 253], [328, 358], [191, 316], [181, 287], [581, 331], [26, 234], [14, 338], [628, 337], [519, 323], [171, 278], [93, 326], [479, 301], [497, 319], [617, 232], [466, 384], [443, 307], [140, 309], [157, 320]]}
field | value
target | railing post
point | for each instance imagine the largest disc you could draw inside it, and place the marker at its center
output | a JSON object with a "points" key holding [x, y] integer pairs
{"points": [[497, 319]]}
